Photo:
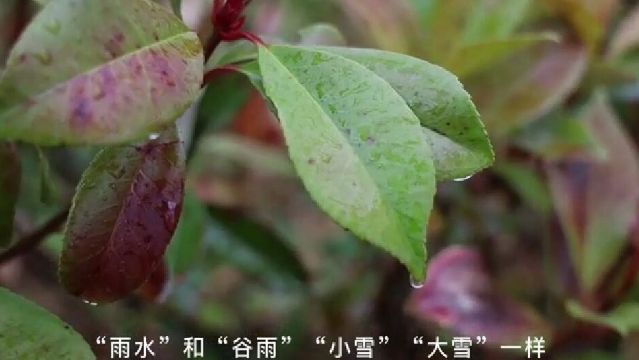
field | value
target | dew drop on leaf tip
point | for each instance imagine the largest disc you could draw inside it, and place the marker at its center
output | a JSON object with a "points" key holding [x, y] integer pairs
{"points": [[154, 136], [90, 303], [415, 283]]}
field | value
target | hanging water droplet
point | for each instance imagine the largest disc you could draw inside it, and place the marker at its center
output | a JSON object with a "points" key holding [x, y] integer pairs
{"points": [[90, 303], [154, 136], [415, 283], [463, 178]]}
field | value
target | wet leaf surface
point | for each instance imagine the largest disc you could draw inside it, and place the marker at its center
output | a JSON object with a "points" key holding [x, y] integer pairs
{"points": [[356, 145], [124, 214], [29, 332], [450, 123], [135, 69]]}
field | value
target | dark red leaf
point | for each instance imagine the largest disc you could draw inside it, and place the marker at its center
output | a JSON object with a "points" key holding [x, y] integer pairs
{"points": [[458, 294], [125, 211], [157, 287]]}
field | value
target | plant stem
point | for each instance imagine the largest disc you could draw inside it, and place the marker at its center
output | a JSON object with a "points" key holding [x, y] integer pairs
{"points": [[26, 243]]}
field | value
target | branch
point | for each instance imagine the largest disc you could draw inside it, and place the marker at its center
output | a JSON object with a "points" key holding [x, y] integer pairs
{"points": [[32, 240]]}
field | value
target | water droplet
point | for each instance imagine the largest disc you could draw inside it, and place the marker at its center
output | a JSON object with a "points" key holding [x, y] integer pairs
{"points": [[171, 205], [416, 284], [53, 27], [463, 178], [90, 303], [154, 136]]}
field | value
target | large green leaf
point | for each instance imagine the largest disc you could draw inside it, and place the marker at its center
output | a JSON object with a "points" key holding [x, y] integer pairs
{"points": [[98, 71], [357, 146], [9, 189], [187, 242], [451, 124], [29, 332]]}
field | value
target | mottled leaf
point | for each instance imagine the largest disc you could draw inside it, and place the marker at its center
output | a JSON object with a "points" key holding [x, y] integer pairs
{"points": [[596, 200], [356, 145], [254, 247], [10, 174], [627, 35], [624, 318], [124, 213], [135, 69], [471, 58], [29, 332], [527, 85], [459, 295], [451, 125], [186, 246]]}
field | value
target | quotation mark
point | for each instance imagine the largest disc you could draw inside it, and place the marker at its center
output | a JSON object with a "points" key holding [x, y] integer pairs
{"points": [[320, 340], [418, 340], [164, 340], [100, 340], [223, 340], [481, 340], [286, 340], [383, 340]]}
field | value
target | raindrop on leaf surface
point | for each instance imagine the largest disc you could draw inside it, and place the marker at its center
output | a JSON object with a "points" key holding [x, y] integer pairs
{"points": [[416, 284]]}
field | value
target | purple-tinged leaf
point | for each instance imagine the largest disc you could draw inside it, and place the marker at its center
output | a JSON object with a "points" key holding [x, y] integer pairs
{"points": [[9, 188], [528, 85], [124, 214], [597, 200], [99, 72], [458, 294]]}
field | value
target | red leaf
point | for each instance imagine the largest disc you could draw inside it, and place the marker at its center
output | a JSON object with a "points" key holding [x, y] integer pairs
{"points": [[255, 121], [157, 287], [125, 211], [596, 200], [458, 294]]}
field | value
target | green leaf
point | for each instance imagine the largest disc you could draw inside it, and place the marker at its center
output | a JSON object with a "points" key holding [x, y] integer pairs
{"points": [[10, 174], [186, 244], [356, 145], [624, 318], [527, 183], [125, 212], [29, 332], [135, 69], [321, 34], [253, 246], [48, 194], [471, 58], [492, 20], [559, 137], [451, 125], [176, 6]]}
